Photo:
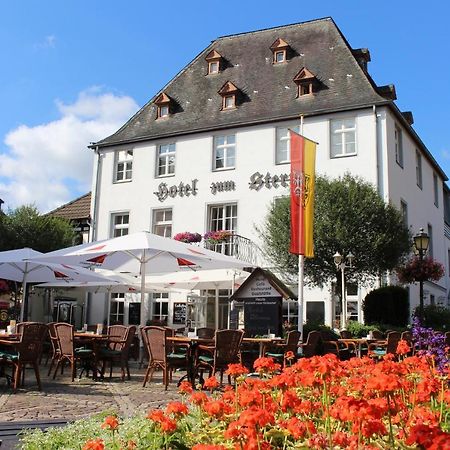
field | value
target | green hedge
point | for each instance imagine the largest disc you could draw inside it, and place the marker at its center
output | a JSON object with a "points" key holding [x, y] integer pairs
{"points": [[387, 305]]}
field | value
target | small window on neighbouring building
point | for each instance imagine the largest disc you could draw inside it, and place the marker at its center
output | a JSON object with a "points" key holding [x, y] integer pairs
{"points": [[214, 59], [280, 56], [229, 102], [398, 146], [229, 93], [436, 190], [404, 211], [280, 50], [430, 244], [163, 103], [166, 160], [419, 169], [306, 82], [224, 152]]}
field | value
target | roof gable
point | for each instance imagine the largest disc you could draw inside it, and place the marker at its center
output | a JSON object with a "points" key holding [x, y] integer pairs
{"points": [[269, 92]]}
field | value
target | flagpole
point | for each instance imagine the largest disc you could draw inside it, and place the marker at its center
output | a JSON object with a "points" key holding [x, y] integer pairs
{"points": [[301, 260]]}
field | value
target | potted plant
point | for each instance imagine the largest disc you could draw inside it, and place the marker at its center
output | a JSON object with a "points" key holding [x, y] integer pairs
{"points": [[188, 237], [216, 237], [417, 269]]}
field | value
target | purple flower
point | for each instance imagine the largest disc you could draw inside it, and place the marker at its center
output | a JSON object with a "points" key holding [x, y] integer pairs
{"points": [[188, 237]]}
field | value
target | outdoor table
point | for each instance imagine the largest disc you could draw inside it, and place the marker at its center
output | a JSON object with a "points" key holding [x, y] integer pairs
{"points": [[8, 342], [95, 341], [262, 342], [359, 342]]}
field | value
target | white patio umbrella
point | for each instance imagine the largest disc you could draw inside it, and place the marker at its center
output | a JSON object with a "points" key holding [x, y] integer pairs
{"points": [[144, 253], [204, 279], [23, 265]]}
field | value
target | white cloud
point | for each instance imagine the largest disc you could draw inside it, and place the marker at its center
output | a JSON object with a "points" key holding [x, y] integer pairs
{"points": [[50, 164], [48, 42]]}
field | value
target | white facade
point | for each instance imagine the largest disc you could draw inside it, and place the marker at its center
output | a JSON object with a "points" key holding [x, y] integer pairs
{"points": [[255, 151]]}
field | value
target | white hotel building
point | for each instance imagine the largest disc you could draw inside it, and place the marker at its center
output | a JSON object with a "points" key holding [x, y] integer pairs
{"points": [[210, 150]]}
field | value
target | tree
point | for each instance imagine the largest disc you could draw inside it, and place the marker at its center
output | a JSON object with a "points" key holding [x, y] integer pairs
{"points": [[25, 227], [349, 216]]}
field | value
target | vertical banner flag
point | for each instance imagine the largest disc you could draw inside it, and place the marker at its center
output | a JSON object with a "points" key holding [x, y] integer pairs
{"points": [[303, 161]]}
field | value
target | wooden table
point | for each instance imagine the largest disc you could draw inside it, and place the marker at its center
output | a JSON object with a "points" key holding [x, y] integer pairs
{"points": [[359, 342], [95, 340], [9, 342], [262, 342]]}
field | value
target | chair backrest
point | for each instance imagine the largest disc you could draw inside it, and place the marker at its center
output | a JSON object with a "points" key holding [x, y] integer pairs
{"points": [[64, 333], [313, 344], [129, 336], [227, 345], [206, 333], [407, 336], [393, 339], [345, 334], [292, 341], [31, 341], [377, 334], [116, 336], [155, 340], [53, 337], [328, 335]]}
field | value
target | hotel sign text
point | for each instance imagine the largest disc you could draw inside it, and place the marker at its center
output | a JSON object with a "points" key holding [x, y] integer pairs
{"points": [[258, 181]]}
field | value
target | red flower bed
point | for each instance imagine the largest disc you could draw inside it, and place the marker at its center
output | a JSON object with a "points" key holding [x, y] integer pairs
{"points": [[420, 270]]}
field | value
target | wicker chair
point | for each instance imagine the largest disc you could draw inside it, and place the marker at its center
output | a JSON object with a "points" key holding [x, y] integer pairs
{"points": [[154, 339], [378, 335], [27, 352], [120, 339], [313, 345], [279, 351], [64, 334], [380, 349], [331, 344], [345, 334], [205, 333], [56, 351], [225, 351]]}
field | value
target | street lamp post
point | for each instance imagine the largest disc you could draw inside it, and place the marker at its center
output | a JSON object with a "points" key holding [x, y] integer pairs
{"points": [[421, 241], [341, 264]]}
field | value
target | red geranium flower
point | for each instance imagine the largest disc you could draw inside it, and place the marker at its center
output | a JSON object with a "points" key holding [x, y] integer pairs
{"points": [[211, 383], [110, 422], [94, 444], [177, 409]]}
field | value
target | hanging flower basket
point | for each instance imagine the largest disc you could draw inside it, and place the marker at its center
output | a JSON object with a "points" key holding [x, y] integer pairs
{"points": [[416, 270], [188, 237], [216, 237]]}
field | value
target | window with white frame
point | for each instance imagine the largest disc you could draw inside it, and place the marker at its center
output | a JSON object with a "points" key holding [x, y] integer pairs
{"points": [[161, 306], [223, 217], [224, 152], [124, 165], [430, 242], [162, 222], [117, 309], [166, 160], [120, 223], [436, 190], [398, 146], [404, 212], [343, 137], [283, 144], [419, 169]]}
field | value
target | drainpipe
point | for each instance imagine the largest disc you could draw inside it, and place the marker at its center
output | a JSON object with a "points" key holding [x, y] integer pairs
{"points": [[378, 155], [95, 194]]}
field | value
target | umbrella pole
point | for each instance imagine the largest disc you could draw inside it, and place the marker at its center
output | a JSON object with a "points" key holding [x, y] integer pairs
{"points": [[217, 308], [24, 295], [144, 309]]}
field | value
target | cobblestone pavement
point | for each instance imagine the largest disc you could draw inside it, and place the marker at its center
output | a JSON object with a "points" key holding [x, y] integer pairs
{"points": [[62, 399]]}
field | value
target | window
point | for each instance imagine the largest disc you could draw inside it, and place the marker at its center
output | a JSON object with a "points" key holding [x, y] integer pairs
{"points": [[419, 169], [229, 101], [223, 217], [283, 148], [166, 160], [161, 306], [430, 244], [305, 89], [404, 212], [436, 190], [124, 165], [163, 110], [343, 138], [306, 82], [117, 309], [398, 146], [213, 67], [279, 56], [119, 224], [162, 222], [224, 152]]}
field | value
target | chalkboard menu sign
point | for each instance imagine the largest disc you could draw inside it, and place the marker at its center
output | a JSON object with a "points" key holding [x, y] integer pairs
{"points": [[134, 313], [179, 313], [262, 315]]}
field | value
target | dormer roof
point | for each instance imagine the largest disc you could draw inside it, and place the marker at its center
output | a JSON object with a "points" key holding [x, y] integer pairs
{"points": [[162, 99], [304, 76], [228, 88], [213, 55], [279, 44]]}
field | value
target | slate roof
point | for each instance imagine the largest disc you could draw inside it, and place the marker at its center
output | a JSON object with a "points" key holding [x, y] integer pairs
{"points": [[77, 209], [268, 90]]}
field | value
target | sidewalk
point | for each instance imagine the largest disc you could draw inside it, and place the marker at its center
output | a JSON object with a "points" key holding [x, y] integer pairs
{"points": [[63, 400]]}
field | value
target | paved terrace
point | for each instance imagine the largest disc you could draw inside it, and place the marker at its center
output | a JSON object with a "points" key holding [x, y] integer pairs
{"points": [[61, 399]]}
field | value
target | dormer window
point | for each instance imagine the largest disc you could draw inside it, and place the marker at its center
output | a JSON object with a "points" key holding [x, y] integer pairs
{"points": [[163, 104], [229, 94], [280, 51], [214, 59], [306, 82]]}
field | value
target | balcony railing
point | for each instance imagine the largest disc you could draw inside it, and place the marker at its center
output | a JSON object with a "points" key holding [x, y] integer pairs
{"points": [[239, 247]]}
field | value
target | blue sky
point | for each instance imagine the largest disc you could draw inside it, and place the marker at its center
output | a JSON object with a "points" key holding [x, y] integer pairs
{"points": [[74, 71]]}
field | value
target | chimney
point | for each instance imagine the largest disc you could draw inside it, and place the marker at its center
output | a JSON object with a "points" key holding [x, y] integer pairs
{"points": [[388, 92], [408, 115]]}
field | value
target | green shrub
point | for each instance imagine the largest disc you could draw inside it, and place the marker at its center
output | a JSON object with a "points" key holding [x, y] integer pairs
{"points": [[436, 317], [387, 305]]}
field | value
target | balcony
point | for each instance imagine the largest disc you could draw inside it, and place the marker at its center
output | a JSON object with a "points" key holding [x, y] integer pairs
{"points": [[239, 247]]}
